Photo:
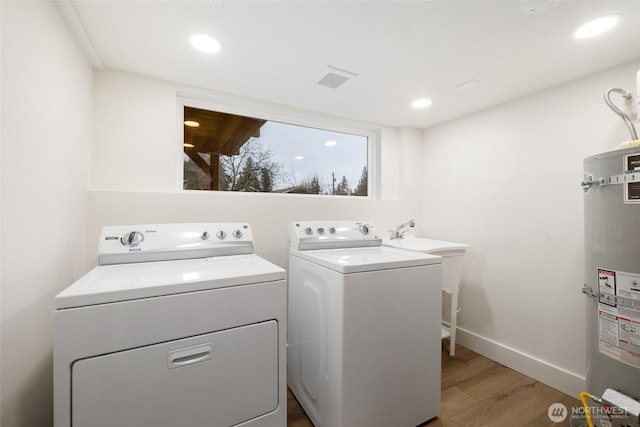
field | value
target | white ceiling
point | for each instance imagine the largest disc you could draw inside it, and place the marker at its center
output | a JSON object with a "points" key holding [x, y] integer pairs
{"points": [[277, 51]]}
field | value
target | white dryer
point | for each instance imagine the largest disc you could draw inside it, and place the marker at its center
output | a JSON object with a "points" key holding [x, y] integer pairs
{"points": [[364, 327], [178, 325]]}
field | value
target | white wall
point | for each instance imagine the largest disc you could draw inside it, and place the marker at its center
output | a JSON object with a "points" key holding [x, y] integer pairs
{"points": [[136, 170], [0, 215], [46, 134], [506, 181], [135, 133]]}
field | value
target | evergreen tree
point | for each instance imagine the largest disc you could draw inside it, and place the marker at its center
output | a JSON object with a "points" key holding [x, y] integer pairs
{"points": [[361, 189], [266, 179], [343, 187], [312, 185], [248, 179]]}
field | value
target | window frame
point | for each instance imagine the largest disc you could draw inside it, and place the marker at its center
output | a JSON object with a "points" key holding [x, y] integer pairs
{"points": [[259, 110]]}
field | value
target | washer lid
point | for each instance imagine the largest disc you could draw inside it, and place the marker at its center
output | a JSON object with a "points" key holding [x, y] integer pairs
{"points": [[122, 282], [357, 260]]}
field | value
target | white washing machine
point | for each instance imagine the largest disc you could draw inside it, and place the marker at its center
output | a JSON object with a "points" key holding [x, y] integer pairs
{"points": [[178, 325], [364, 327]]}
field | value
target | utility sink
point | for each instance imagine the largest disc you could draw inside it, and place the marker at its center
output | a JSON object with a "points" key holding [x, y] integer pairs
{"points": [[427, 246], [452, 262], [452, 257]]}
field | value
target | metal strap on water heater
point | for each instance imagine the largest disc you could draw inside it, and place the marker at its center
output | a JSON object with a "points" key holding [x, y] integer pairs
{"points": [[626, 178], [611, 299]]}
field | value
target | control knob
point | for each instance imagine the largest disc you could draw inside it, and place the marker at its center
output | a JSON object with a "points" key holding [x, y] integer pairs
{"points": [[237, 234], [364, 229], [221, 235], [308, 231], [133, 238]]}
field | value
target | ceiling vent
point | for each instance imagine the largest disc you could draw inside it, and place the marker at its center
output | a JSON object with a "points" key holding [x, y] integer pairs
{"points": [[335, 77]]}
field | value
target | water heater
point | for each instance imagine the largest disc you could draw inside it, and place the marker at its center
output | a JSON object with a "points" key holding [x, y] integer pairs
{"points": [[612, 278]]}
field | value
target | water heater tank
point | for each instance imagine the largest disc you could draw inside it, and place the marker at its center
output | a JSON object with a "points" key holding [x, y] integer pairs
{"points": [[612, 270]]}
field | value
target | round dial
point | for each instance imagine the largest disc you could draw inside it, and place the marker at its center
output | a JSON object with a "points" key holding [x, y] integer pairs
{"points": [[204, 235], [237, 234], [221, 235], [320, 230], [364, 229], [308, 230], [332, 230], [133, 238]]}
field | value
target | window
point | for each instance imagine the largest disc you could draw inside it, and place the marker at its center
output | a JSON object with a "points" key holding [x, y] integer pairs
{"points": [[230, 152]]}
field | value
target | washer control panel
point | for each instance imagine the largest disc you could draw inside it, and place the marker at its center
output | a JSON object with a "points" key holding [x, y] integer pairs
{"points": [[165, 242], [306, 235]]}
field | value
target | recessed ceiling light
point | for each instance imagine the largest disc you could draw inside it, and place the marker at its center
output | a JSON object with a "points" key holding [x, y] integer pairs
{"points": [[191, 123], [421, 103], [205, 43], [187, 145], [299, 157], [596, 27], [330, 144]]}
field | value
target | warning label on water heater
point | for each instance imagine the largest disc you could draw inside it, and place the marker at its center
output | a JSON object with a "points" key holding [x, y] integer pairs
{"points": [[619, 315]]}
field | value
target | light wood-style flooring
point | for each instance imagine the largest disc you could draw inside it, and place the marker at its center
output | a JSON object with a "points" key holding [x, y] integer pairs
{"points": [[478, 392]]}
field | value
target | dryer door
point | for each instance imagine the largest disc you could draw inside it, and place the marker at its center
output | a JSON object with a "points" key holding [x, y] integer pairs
{"points": [[218, 379]]}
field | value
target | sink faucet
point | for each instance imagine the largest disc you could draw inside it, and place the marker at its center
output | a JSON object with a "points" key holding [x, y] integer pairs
{"points": [[398, 233]]}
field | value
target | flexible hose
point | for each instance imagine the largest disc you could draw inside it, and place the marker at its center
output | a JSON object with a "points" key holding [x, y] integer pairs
{"points": [[587, 410], [626, 95]]}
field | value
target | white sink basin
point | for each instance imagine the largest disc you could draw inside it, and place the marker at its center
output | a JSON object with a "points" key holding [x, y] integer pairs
{"points": [[428, 246]]}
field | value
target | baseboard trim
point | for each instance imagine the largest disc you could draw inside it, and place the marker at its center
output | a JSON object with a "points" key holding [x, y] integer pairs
{"points": [[567, 382]]}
